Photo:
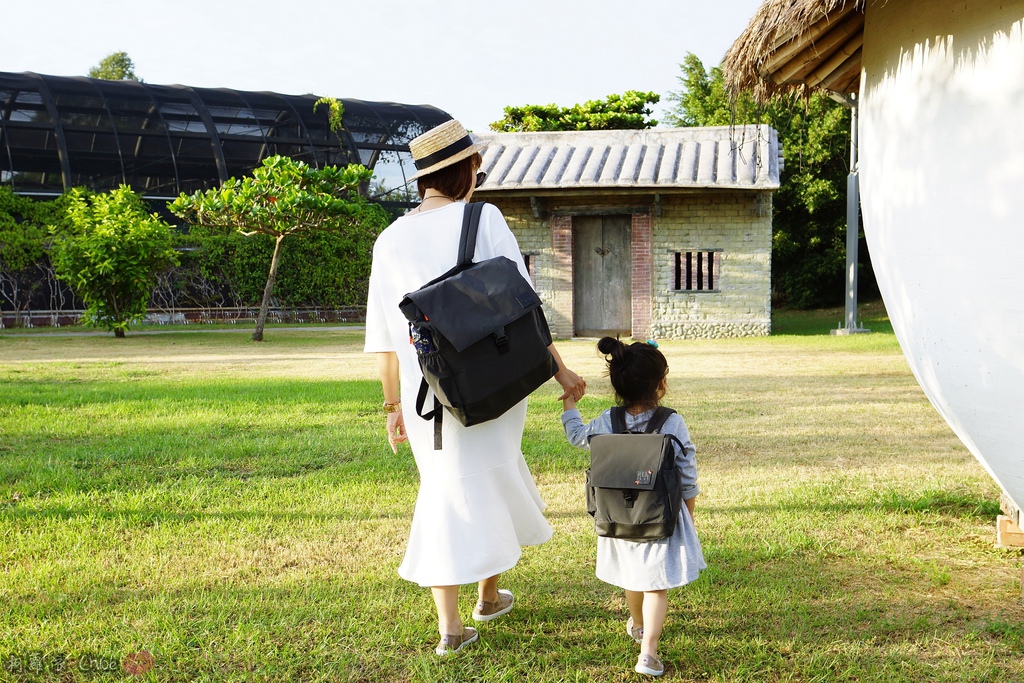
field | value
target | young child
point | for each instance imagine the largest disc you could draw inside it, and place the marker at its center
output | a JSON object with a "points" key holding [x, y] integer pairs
{"points": [[645, 570]]}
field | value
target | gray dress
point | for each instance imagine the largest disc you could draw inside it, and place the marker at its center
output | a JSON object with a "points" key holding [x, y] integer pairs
{"points": [[648, 565]]}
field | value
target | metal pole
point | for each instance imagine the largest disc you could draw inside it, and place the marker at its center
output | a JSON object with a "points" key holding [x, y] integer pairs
{"points": [[852, 227]]}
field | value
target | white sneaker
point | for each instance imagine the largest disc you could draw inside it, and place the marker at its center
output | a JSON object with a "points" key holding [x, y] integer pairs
{"points": [[635, 632], [650, 665]]}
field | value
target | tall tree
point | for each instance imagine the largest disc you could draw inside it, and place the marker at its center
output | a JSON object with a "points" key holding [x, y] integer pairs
{"points": [[117, 66], [111, 255], [22, 246], [283, 197], [629, 110], [809, 225]]}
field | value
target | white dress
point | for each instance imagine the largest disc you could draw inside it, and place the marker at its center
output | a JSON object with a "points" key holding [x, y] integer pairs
{"points": [[647, 565], [477, 502]]}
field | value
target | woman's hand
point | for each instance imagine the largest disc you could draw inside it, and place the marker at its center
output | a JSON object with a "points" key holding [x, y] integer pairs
{"points": [[573, 385], [396, 430]]}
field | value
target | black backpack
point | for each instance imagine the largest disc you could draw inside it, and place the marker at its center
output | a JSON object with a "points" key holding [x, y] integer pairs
{"points": [[480, 336], [634, 491]]}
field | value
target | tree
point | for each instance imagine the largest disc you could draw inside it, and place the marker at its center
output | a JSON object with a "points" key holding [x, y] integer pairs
{"points": [[809, 225], [111, 255], [24, 246], [627, 111], [282, 197], [117, 66]]}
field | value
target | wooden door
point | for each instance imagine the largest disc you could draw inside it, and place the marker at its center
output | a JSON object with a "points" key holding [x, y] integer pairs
{"points": [[602, 279]]}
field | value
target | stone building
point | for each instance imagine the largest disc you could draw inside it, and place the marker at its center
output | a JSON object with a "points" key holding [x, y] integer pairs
{"points": [[663, 233]]}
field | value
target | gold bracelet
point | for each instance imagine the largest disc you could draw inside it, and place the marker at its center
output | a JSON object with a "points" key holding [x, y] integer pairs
{"points": [[392, 407]]}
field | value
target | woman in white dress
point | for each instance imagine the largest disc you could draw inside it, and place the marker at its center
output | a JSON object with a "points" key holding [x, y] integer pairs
{"points": [[477, 502]]}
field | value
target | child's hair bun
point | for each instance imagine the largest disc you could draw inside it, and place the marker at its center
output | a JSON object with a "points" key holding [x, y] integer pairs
{"points": [[610, 346]]}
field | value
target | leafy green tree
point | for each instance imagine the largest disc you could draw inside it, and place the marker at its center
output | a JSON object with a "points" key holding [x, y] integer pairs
{"points": [[627, 111], [111, 255], [809, 225], [283, 197], [24, 245], [117, 66]]}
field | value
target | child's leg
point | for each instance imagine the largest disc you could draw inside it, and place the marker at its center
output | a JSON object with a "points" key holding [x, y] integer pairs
{"points": [[655, 607], [635, 601]]}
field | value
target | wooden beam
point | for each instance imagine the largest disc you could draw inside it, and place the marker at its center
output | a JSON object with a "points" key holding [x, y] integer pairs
{"points": [[1008, 534], [838, 59], [813, 55], [851, 84], [842, 73], [805, 40]]}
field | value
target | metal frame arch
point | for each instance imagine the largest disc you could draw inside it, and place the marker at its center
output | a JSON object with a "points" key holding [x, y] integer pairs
{"points": [[211, 129], [263, 131], [302, 124], [106, 106], [5, 113], [58, 129], [155, 107]]}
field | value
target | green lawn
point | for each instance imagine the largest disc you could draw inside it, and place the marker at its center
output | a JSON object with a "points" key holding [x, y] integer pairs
{"points": [[233, 509]]}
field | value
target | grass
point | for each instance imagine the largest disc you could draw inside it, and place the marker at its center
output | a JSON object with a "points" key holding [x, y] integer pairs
{"points": [[233, 509]]}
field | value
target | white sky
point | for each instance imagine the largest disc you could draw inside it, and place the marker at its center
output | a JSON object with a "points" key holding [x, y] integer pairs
{"points": [[468, 57]]}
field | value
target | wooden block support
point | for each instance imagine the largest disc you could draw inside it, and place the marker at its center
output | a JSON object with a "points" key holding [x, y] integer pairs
{"points": [[1008, 534], [1009, 508]]}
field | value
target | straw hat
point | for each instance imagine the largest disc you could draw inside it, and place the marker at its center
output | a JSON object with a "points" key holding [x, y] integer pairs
{"points": [[443, 146]]}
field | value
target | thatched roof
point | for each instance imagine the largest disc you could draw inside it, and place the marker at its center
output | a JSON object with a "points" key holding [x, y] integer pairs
{"points": [[796, 45]]}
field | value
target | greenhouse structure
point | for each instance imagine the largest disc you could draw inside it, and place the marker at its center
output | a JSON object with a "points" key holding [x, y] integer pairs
{"points": [[62, 132]]}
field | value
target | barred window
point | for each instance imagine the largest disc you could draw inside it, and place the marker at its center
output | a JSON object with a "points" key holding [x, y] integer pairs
{"points": [[528, 260], [696, 271]]}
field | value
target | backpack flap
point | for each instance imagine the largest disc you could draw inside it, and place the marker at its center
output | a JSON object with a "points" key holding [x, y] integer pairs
{"points": [[627, 461], [475, 302]]}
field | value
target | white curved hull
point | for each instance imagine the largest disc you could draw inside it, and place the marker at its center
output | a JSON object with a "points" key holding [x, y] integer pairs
{"points": [[942, 178]]}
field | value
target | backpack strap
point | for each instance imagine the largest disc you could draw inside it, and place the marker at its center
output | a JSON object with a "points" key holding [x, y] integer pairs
{"points": [[435, 414], [658, 420], [470, 227], [618, 416], [467, 247]]}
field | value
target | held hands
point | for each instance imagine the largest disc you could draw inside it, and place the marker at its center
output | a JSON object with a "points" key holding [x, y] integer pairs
{"points": [[573, 386], [396, 430]]}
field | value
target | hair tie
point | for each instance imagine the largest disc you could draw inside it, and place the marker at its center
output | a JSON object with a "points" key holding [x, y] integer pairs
{"points": [[651, 342]]}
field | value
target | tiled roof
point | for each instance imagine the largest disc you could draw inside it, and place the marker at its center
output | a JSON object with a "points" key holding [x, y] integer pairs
{"points": [[728, 157]]}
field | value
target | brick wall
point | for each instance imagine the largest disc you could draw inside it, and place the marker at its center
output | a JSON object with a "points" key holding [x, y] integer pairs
{"points": [[736, 222], [642, 281]]}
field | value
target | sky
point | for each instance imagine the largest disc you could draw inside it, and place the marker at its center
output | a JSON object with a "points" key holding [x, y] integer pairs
{"points": [[470, 58]]}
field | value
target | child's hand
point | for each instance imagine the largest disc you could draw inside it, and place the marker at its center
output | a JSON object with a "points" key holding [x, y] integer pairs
{"points": [[568, 403]]}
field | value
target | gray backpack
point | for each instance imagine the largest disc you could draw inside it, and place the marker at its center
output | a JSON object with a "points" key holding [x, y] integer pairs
{"points": [[634, 491]]}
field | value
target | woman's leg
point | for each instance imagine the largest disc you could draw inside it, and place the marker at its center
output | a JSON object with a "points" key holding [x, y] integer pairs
{"points": [[446, 599], [655, 608]]}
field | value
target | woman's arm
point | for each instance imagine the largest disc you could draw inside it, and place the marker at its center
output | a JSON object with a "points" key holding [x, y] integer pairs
{"points": [[505, 244], [387, 366], [573, 385]]}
